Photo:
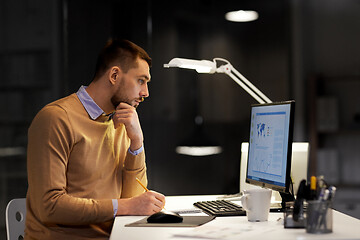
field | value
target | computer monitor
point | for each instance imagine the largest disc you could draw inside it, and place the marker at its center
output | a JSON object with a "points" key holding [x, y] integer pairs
{"points": [[270, 145]]}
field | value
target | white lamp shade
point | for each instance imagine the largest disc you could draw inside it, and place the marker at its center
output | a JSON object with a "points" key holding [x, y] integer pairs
{"points": [[201, 66]]}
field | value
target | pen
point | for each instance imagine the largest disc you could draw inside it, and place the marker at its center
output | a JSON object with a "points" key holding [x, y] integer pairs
{"points": [[332, 190], [325, 197], [145, 188], [110, 115], [313, 187]]}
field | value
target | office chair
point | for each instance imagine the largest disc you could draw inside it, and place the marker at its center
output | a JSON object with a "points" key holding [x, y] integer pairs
{"points": [[15, 219]]}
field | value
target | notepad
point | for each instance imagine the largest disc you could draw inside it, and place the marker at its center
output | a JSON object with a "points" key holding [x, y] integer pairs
{"points": [[188, 221]]}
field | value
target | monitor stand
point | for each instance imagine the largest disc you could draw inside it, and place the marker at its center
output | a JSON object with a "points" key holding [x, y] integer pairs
{"points": [[286, 197]]}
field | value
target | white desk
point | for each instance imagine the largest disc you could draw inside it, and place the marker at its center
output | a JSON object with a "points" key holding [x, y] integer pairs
{"points": [[344, 226]]}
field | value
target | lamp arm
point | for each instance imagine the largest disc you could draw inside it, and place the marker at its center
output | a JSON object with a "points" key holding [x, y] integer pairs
{"points": [[255, 89], [243, 82], [246, 88]]}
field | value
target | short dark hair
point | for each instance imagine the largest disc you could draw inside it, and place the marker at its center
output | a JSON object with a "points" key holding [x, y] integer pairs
{"points": [[121, 53]]}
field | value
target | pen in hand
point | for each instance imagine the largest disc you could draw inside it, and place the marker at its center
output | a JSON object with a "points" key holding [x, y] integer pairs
{"points": [[144, 187]]}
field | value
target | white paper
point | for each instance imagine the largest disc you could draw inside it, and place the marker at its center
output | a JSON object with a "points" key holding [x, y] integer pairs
{"points": [[225, 232]]}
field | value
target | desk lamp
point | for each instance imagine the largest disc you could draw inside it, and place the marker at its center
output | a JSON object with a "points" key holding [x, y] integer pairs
{"points": [[206, 66]]}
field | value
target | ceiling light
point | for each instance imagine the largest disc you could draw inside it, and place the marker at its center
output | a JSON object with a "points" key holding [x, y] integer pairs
{"points": [[241, 16]]}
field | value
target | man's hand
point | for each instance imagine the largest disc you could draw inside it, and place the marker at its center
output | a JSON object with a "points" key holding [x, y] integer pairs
{"points": [[145, 204], [127, 115]]}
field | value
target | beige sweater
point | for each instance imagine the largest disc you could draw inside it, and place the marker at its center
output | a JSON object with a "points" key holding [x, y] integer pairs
{"points": [[76, 166]]}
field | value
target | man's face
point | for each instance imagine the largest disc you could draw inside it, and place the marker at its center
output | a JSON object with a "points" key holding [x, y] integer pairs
{"points": [[132, 87]]}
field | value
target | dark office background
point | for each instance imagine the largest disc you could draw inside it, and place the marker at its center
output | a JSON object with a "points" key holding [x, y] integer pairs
{"points": [[298, 49]]}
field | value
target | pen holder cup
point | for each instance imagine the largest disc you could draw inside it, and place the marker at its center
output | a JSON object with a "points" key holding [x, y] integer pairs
{"points": [[319, 217]]}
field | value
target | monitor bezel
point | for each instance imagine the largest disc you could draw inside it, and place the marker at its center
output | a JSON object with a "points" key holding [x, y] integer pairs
{"points": [[281, 189]]}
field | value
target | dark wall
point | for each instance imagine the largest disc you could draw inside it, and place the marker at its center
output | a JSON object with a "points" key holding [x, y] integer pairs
{"points": [[88, 25]]}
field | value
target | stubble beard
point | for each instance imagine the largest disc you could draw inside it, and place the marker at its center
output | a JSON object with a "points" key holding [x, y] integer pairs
{"points": [[119, 96]]}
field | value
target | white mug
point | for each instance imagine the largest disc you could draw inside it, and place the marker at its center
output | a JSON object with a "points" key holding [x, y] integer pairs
{"points": [[256, 202]]}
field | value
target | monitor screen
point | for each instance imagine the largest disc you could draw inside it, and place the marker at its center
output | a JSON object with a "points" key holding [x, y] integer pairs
{"points": [[269, 156]]}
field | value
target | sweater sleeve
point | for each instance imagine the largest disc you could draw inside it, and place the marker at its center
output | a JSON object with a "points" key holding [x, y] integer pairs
{"points": [[134, 167], [50, 141]]}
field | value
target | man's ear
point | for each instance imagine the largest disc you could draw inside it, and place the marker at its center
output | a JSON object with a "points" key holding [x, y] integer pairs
{"points": [[114, 74]]}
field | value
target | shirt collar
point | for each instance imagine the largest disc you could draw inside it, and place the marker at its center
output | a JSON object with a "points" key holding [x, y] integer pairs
{"points": [[89, 104]]}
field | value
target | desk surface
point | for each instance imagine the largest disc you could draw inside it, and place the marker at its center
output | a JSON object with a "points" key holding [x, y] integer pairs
{"points": [[344, 226]]}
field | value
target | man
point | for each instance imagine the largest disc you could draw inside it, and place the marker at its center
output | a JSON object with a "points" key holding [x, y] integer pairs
{"points": [[85, 152]]}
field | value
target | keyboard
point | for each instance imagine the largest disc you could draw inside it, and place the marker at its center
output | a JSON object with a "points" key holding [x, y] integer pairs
{"points": [[220, 208]]}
